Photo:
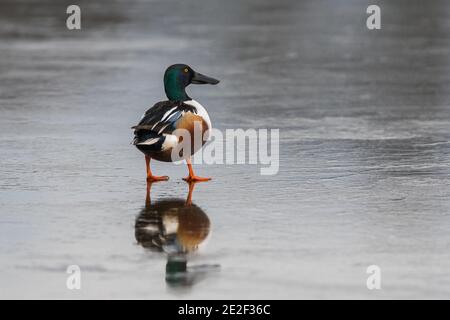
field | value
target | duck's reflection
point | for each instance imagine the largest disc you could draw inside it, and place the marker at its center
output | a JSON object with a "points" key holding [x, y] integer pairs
{"points": [[178, 228]]}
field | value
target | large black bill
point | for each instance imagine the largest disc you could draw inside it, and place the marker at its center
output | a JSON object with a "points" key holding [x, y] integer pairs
{"points": [[199, 78]]}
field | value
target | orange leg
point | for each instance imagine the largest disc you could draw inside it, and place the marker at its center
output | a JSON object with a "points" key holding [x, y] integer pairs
{"points": [[191, 189], [192, 177], [147, 195], [150, 176]]}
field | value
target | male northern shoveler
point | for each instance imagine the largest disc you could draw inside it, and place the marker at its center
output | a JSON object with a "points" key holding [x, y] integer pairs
{"points": [[156, 134]]}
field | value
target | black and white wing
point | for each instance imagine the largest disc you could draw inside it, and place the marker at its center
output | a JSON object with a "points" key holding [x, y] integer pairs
{"points": [[158, 121]]}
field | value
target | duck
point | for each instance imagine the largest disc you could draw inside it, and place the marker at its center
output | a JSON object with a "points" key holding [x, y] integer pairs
{"points": [[157, 134], [177, 228]]}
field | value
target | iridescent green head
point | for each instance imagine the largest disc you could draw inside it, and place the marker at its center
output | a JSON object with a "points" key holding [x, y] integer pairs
{"points": [[178, 77]]}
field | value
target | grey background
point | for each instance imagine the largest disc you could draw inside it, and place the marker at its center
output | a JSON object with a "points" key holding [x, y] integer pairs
{"points": [[364, 120]]}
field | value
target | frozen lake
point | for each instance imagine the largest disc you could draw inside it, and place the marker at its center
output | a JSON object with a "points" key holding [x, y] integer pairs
{"points": [[364, 119]]}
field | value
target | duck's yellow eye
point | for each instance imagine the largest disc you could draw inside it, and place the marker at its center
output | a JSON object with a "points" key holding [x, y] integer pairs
{"points": [[186, 70]]}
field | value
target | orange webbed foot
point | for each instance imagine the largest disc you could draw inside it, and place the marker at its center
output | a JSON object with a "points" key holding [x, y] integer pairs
{"points": [[196, 179], [157, 178]]}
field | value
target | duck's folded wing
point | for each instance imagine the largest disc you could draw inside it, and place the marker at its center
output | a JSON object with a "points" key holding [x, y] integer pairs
{"points": [[160, 119]]}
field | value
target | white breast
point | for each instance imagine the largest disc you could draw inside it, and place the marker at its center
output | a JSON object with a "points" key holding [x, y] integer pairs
{"points": [[200, 111]]}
